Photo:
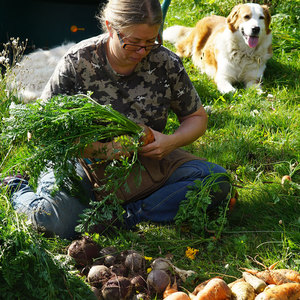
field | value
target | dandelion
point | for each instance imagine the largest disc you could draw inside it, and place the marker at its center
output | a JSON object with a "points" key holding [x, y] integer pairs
{"points": [[149, 270], [148, 258], [191, 252]]}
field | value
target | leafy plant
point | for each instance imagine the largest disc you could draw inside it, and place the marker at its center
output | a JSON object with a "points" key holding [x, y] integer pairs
{"points": [[59, 131], [28, 269], [193, 211]]}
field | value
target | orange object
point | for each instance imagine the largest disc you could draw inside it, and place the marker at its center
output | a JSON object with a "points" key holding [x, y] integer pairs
{"points": [[75, 28], [171, 289], [232, 203], [285, 178], [215, 289], [178, 296], [279, 276], [148, 136], [286, 291]]}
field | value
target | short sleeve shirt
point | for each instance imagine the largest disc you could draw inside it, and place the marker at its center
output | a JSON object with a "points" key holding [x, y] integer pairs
{"points": [[158, 83]]}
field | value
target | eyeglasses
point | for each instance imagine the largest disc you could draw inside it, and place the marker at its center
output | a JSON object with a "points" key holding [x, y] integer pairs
{"points": [[133, 47]]}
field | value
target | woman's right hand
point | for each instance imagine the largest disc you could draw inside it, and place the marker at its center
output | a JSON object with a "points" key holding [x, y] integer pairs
{"points": [[118, 147]]}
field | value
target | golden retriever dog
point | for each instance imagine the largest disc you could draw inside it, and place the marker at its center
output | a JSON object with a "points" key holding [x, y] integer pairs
{"points": [[229, 50]]}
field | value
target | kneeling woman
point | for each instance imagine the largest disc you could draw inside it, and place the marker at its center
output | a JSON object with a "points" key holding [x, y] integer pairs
{"points": [[127, 68]]}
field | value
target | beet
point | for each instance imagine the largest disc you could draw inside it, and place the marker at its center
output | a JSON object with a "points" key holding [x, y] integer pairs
{"points": [[83, 251], [97, 293], [139, 283], [110, 260], [99, 275], [135, 262], [118, 287], [157, 281], [119, 270], [109, 251]]}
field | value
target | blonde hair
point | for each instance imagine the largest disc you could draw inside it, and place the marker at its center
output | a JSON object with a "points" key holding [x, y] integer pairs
{"points": [[124, 13]]}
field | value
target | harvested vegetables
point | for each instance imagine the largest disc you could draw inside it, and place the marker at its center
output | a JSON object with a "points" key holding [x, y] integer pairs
{"points": [[285, 291], [123, 275], [242, 291]]}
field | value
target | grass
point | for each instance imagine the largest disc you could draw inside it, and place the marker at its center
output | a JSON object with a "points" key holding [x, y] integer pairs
{"points": [[256, 138]]}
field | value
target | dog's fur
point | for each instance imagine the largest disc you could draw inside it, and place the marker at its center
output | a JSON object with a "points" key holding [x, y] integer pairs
{"points": [[30, 76], [229, 50]]}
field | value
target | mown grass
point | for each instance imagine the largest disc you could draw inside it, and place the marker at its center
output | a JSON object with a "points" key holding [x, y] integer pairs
{"points": [[256, 138]]}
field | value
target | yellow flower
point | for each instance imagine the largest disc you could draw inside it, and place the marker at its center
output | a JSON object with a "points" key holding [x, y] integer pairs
{"points": [[148, 258], [191, 252], [149, 270]]}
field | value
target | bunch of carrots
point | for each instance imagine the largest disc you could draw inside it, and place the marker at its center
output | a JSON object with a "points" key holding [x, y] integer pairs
{"points": [[270, 284]]}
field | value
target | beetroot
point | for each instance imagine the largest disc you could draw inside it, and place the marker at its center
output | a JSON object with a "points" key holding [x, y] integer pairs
{"points": [[139, 283], [157, 281], [135, 262], [99, 275], [83, 251], [117, 287]]}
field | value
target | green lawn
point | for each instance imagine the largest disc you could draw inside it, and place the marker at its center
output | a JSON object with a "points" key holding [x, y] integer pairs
{"points": [[255, 137]]}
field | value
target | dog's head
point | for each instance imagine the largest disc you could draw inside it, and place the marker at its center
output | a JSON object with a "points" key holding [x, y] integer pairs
{"points": [[251, 20]]}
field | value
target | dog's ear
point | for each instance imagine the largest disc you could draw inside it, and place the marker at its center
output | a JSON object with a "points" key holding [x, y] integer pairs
{"points": [[267, 18], [233, 18]]}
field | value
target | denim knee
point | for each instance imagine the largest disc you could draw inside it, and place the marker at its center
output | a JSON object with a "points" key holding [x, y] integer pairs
{"points": [[219, 195]]}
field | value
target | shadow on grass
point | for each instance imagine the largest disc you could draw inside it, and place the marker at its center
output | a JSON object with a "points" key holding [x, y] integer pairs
{"points": [[278, 74]]}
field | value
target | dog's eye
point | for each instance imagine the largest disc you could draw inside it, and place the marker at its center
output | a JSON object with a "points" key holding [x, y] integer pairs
{"points": [[247, 17], [261, 17]]}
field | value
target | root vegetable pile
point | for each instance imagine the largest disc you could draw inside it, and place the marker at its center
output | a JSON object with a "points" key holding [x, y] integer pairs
{"points": [[115, 275]]}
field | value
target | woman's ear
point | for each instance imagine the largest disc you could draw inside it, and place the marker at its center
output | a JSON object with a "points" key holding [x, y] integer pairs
{"points": [[109, 28]]}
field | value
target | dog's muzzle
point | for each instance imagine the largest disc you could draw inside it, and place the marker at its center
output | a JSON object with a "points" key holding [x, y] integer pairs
{"points": [[252, 40]]}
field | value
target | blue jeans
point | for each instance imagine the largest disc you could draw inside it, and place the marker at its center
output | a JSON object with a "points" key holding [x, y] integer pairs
{"points": [[59, 213], [162, 205]]}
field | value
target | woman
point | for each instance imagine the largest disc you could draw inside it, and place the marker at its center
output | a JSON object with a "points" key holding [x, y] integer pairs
{"points": [[127, 68]]}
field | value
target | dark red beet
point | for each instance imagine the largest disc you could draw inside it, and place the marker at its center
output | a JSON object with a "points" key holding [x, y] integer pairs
{"points": [[99, 275], [157, 281], [83, 251], [117, 287]]}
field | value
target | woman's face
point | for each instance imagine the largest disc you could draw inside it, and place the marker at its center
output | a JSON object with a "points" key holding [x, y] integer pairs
{"points": [[137, 35]]}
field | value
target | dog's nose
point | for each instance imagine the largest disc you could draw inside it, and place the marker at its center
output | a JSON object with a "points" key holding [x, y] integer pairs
{"points": [[255, 30]]}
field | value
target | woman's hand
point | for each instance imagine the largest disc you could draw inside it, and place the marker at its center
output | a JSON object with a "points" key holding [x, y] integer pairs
{"points": [[191, 128]]}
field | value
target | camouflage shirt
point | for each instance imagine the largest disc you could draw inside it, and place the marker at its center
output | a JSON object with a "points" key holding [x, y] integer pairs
{"points": [[158, 83]]}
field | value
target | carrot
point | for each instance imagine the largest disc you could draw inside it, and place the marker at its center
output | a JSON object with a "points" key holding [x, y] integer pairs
{"points": [[232, 203], [201, 285], [242, 291], [215, 289], [170, 289], [148, 136], [277, 277], [236, 281], [258, 284], [178, 296], [285, 178], [285, 291]]}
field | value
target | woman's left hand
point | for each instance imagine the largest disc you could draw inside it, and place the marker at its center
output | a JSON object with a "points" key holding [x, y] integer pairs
{"points": [[161, 146], [191, 128]]}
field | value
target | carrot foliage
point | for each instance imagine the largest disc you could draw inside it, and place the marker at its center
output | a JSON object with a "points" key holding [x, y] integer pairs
{"points": [[60, 129]]}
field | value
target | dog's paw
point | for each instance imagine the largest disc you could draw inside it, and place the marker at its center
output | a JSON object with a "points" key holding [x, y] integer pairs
{"points": [[225, 87], [256, 86]]}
